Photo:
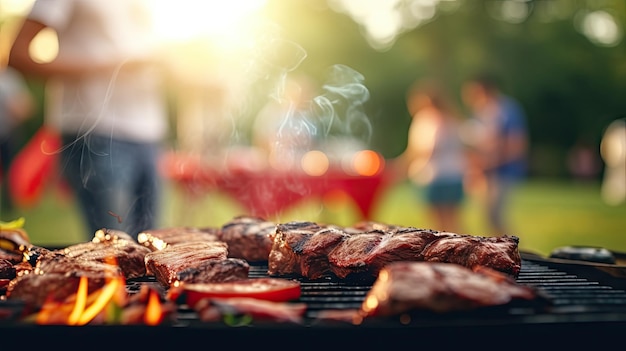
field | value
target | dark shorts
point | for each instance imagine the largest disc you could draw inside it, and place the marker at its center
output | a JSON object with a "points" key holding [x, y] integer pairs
{"points": [[442, 192]]}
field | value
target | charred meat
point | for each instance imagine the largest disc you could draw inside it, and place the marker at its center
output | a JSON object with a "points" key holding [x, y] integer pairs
{"points": [[118, 250], [157, 239], [314, 251], [301, 248], [194, 262], [403, 287], [248, 238], [56, 277]]}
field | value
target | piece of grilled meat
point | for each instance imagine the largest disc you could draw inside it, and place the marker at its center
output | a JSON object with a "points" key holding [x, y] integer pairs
{"points": [[313, 251], [248, 238], [404, 287]]}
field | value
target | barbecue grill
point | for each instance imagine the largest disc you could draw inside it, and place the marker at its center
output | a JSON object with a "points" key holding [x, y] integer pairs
{"points": [[587, 307]]}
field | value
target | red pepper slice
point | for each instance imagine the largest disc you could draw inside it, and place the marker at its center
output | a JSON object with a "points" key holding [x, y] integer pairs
{"points": [[270, 289]]}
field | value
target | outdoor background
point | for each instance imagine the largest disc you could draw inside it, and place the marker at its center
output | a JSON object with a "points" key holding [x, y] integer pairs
{"points": [[564, 60]]}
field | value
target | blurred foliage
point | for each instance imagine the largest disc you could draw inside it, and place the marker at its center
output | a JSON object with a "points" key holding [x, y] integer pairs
{"points": [[570, 87]]}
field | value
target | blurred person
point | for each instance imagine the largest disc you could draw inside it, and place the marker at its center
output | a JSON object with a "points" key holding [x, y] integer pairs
{"points": [[434, 158], [583, 161], [498, 136], [613, 151], [109, 106], [16, 105]]}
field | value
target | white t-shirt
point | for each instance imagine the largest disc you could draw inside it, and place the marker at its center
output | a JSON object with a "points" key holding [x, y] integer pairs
{"points": [[124, 104]]}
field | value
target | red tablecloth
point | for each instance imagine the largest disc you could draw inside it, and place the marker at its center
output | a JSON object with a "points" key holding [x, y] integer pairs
{"points": [[267, 193]]}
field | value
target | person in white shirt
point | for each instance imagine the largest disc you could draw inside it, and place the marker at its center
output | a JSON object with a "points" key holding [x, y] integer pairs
{"points": [[109, 106], [434, 159]]}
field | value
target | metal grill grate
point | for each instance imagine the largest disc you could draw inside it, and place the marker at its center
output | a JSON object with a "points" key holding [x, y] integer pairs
{"points": [[570, 292], [584, 312]]}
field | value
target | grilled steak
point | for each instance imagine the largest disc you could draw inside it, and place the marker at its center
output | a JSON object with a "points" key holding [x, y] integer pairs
{"points": [[301, 248], [114, 249], [248, 238], [439, 287], [499, 253], [313, 251], [182, 261], [56, 276], [217, 270], [157, 239]]}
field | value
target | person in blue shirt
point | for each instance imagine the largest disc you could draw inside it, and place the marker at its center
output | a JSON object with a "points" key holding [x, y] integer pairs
{"points": [[498, 135]]}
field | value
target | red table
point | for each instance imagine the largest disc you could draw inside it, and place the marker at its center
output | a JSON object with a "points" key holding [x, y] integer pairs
{"points": [[267, 192]]}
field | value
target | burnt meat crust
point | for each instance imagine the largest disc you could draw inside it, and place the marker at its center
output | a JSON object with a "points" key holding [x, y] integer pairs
{"points": [[313, 251]]}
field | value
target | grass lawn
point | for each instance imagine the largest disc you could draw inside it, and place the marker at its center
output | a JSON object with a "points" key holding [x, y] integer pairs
{"points": [[545, 215]]}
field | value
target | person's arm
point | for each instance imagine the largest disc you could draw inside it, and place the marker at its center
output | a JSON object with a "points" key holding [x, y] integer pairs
{"points": [[421, 141]]}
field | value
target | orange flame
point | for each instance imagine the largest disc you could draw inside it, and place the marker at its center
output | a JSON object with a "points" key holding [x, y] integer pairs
{"points": [[154, 312], [81, 308], [81, 301], [104, 296]]}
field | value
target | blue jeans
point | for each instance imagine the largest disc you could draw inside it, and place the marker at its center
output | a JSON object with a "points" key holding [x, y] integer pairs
{"points": [[116, 183]]}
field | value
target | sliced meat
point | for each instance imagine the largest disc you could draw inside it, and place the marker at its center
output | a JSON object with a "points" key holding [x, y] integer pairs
{"points": [[217, 270], [403, 244], [157, 239], [248, 237], [403, 287], [349, 256], [301, 248], [57, 276], [117, 250], [166, 264], [314, 251], [499, 253]]}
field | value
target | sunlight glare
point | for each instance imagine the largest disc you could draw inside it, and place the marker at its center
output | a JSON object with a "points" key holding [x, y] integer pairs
{"points": [[601, 28], [189, 19], [45, 47], [15, 7]]}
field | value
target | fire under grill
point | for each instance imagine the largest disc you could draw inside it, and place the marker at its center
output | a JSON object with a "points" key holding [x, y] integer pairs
{"points": [[586, 306]]}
